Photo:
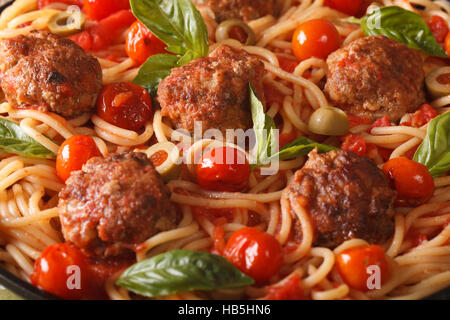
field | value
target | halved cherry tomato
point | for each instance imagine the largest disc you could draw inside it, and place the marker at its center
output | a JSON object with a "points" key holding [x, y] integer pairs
{"points": [[141, 43], [100, 9], [438, 27], [350, 7], [355, 143], [43, 3], [315, 38], [223, 169], [289, 290], [413, 182], [73, 154], [255, 253], [447, 44], [352, 265], [102, 34], [52, 271], [125, 105]]}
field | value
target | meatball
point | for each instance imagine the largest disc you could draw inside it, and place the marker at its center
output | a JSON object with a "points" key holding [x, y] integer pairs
{"points": [[374, 77], [48, 72], [212, 90], [346, 197], [245, 10], [113, 204]]}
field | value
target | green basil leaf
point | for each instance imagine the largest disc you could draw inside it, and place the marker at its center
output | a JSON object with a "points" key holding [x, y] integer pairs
{"points": [[154, 70], [264, 129], [403, 26], [182, 270], [175, 22], [434, 152], [14, 140], [301, 147]]}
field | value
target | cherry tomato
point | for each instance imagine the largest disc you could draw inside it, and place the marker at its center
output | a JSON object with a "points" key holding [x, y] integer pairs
{"points": [[52, 271], [255, 253], [438, 27], [289, 290], [315, 38], [447, 43], [100, 9], [350, 7], [73, 154], [223, 169], [141, 43], [125, 105], [352, 265], [413, 182], [43, 3], [102, 34], [355, 143]]}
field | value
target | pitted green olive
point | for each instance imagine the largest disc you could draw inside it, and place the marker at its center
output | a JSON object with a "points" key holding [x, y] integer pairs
{"points": [[66, 23], [329, 121], [438, 82], [223, 30]]}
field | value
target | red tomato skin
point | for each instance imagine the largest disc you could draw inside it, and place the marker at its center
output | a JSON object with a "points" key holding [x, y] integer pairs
{"points": [[352, 265], [381, 122], [100, 9], [350, 7], [255, 253], [355, 143], [73, 154], [421, 117], [140, 43], [315, 38], [43, 3], [125, 105], [447, 44], [214, 173], [412, 181], [438, 27], [290, 290], [51, 271]]}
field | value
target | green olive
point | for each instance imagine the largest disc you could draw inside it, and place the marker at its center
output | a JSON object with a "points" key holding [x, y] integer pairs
{"points": [[66, 23], [170, 169], [223, 30], [329, 121], [436, 87]]}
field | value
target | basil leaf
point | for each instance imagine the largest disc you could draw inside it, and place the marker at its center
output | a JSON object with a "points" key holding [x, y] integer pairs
{"points": [[301, 147], [154, 70], [14, 140], [264, 129], [434, 152], [182, 270], [175, 22], [403, 26]]}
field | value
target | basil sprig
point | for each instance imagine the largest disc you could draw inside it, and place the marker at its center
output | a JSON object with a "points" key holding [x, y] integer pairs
{"points": [[182, 270], [434, 152], [266, 138], [180, 26], [403, 26], [14, 140]]}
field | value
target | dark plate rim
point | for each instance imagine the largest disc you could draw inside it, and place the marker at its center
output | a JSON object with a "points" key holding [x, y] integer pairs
{"points": [[30, 292]]}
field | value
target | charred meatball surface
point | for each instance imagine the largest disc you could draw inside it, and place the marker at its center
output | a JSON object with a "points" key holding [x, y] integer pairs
{"points": [[212, 90], [50, 73], [346, 197], [114, 203], [245, 10], [374, 77]]}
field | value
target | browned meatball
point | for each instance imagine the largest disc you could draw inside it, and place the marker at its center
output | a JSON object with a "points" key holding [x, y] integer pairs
{"points": [[212, 90], [346, 197], [245, 10], [376, 76], [48, 72], [114, 203]]}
